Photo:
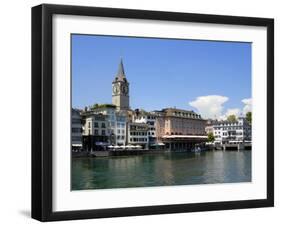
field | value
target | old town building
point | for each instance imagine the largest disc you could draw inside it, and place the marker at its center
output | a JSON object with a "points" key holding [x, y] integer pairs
{"points": [[238, 131], [138, 134], [117, 123], [76, 130], [96, 131], [148, 118], [180, 129]]}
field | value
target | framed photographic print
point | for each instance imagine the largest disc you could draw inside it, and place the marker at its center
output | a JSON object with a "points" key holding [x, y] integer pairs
{"points": [[145, 112]]}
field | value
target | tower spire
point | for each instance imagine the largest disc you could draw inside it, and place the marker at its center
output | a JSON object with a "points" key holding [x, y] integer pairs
{"points": [[121, 72]]}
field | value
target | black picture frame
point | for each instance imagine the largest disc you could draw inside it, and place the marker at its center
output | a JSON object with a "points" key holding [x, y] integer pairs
{"points": [[42, 111]]}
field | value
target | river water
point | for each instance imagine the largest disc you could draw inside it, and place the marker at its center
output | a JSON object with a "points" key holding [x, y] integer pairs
{"points": [[161, 170]]}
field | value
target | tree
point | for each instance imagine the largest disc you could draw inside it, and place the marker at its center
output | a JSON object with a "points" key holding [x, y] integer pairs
{"points": [[249, 117], [231, 118], [211, 137], [96, 106]]}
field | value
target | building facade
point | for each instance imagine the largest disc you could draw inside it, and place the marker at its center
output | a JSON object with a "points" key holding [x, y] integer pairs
{"points": [[121, 129], [117, 128], [174, 121], [110, 111], [209, 126], [138, 134], [180, 129], [96, 131], [120, 90], [76, 130], [148, 118], [226, 132]]}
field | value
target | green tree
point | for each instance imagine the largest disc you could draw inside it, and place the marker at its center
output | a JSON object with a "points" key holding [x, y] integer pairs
{"points": [[96, 105], [211, 137], [231, 118], [249, 117]]}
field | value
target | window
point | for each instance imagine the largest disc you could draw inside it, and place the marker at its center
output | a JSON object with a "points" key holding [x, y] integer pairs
{"points": [[89, 124], [96, 132], [76, 130], [76, 138], [103, 125], [76, 120], [96, 125], [103, 132]]}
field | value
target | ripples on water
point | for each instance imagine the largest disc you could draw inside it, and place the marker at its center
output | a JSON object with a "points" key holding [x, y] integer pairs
{"points": [[161, 169]]}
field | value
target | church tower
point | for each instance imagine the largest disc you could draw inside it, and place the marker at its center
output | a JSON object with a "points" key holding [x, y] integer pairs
{"points": [[120, 89]]}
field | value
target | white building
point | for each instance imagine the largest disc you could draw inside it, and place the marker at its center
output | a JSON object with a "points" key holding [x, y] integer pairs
{"points": [[76, 130], [232, 132], [148, 118], [138, 134], [116, 122], [120, 129], [95, 131], [96, 125]]}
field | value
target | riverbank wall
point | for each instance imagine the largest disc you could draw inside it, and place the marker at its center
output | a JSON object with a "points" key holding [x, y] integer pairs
{"points": [[125, 152], [128, 152]]}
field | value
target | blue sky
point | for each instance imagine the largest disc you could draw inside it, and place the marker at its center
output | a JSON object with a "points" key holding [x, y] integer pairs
{"points": [[163, 72]]}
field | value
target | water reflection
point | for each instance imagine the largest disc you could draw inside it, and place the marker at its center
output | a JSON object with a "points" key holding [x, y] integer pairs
{"points": [[161, 169]]}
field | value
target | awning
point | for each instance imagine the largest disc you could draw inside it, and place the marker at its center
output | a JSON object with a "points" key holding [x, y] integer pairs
{"points": [[158, 144], [101, 143], [184, 136]]}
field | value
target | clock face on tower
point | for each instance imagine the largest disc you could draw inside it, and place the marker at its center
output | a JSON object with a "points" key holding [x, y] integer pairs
{"points": [[125, 89], [115, 89]]}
